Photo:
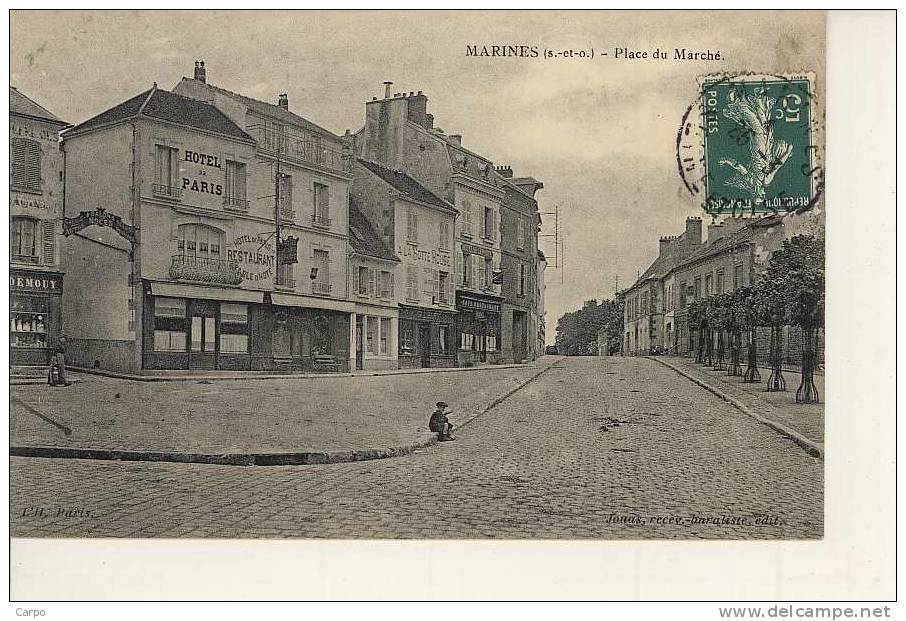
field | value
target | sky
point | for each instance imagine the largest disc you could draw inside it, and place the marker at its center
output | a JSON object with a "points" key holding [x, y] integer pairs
{"points": [[599, 133]]}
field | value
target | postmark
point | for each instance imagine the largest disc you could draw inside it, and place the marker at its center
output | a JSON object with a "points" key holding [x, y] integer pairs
{"points": [[751, 145]]}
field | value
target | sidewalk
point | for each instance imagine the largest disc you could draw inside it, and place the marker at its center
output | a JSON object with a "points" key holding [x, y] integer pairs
{"points": [[288, 420], [780, 407]]}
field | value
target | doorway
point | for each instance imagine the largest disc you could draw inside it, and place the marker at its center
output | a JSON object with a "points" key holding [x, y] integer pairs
{"points": [[520, 328], [359, 342], [204, 334], [424, 344]]}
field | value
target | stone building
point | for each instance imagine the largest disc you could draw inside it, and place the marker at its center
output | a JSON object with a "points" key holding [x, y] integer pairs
{"points": [[400, 135], [35, 207], [419, 226]]}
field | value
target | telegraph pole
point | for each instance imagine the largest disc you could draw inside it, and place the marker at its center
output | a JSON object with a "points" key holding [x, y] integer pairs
{"points": [[277, 193]]}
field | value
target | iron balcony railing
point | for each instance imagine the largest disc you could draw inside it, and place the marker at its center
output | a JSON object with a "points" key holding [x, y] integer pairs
{"points": [[166, 191], [205, 270], [233, 202], [308, 148], [320, 220], [320, 288]]}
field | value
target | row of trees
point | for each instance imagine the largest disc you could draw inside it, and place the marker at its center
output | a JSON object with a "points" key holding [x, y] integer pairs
{"points": [[577, 332], [791, 293]]}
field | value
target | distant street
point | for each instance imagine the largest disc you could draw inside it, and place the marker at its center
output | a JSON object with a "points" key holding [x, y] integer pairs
{"points": [[595, 447]]}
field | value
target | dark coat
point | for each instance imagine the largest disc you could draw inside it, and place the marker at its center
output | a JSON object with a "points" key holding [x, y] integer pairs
{"points": [[437, 422]]}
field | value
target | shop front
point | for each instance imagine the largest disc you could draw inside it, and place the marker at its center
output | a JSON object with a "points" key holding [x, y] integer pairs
{"points": [[479, 329], [426, 337], [34, 319], [306, 339]]}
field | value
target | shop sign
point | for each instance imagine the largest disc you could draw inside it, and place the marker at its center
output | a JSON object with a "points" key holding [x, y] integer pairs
{"points": [[434, 257], [25, 201], [254, 254], [481, 305], [36, 282], [99, 217]]}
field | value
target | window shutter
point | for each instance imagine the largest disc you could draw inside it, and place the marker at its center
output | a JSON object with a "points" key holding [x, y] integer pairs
{"points": [[49, 238], [355, 279], [450, 294], [371, 282], [391, 285], [493, 224], [457, 266], [435, 277]]}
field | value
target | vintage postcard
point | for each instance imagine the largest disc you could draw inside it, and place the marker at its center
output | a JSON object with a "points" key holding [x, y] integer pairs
{"points": [[406, 275]]}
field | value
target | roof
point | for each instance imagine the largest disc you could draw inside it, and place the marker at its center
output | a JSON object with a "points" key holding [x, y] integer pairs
{"points": [[24, 106], [362, 236], [406, 185], [269, 109], [157, 103]]}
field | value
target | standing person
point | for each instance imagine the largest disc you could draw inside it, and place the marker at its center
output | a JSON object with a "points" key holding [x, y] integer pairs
{"points": [[56, 376], [440, 424]]}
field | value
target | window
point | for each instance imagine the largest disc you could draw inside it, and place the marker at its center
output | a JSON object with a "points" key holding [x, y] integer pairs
{"points": [[412, 282], [166, 173], [321, 215], [488, 224], [443, 340], [698, 288], [467, 269], [682, 295], [385, 335], [24, 239], [521, 279], [444, 241], [169, 324], [708, 283], [234, 319], [199, 240], [720, 281], [25, 165], [412, 226], [737, 277], [235, 195], [321, 282], [407, 337], [285, 276], [386, 285], [371, 326], [363, 273], [467, 218], [443, 283], [520, 232], [488, 278], [28, 322]]}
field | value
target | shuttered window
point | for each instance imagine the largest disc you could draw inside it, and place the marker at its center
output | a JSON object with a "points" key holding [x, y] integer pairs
{"points": [[25, 164], [23, 233], [412, 226], [411, 282]]}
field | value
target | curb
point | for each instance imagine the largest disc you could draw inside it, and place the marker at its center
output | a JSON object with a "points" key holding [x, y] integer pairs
{"points": [[303, 458], [811, 447]]}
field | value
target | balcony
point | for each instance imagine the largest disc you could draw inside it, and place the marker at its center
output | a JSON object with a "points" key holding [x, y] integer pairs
{"points": [[320, 221], [320, 288], [205, 270], [236, 204], [166, 191], [307, 148]]}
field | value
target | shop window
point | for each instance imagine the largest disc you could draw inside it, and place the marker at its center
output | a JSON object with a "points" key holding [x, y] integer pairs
{"points": [[491, 342], [407, 337], [25, 165], [321, 197], [169, 324], [234, 319], [371, 326], [23, 234], [385, 335], [28, 322], [322, 337], [443, 340]]}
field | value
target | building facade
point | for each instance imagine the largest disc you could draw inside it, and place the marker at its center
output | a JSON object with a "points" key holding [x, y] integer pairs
{"points": [[419, 226], [315, 173], [400, 135], [36, 207]]}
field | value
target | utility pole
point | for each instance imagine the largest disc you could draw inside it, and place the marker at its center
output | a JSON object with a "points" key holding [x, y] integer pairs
{"points": [[277, 181]]}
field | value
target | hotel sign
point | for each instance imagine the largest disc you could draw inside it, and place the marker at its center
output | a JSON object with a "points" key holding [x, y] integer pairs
{"points": [[255, 256]]}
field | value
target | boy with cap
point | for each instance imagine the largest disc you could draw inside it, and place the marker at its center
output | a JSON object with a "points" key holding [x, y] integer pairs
{"points": [[440, 424]]}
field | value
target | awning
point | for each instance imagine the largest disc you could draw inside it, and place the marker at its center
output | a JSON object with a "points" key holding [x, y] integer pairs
{"points": [[225, 294], [304, 301]]}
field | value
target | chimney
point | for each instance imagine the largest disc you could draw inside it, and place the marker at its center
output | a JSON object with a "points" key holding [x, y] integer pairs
{"points": [[694, 231], [200, 72], [418, 108], [429, 121], [505, 171], [283, 101], [664, 242], [457, 138], [387, 86]]}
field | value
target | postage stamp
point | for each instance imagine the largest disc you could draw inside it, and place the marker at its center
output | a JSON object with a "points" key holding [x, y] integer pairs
{"points": [[752, 148]]}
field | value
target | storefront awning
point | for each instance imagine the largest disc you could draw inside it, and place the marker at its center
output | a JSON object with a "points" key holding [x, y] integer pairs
{"points": [[285, 299], [172, 290]]}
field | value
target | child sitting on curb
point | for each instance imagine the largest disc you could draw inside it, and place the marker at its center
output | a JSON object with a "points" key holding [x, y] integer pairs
{"points": [[440, 424]]}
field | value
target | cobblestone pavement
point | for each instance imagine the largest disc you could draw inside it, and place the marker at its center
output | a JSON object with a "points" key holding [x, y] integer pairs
{"points": [[596, 447], [807, 419]]}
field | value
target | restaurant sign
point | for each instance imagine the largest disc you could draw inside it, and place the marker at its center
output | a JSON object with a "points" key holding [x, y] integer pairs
{"points": [[255, 256]]}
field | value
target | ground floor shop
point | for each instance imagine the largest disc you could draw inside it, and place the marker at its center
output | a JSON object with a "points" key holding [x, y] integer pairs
{"points": [[426, 337], [243, 330], [34, 317], [478, 329], [375, 331]]}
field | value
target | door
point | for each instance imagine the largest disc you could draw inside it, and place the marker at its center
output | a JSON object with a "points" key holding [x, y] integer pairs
{"points": [[481, 338], [424, 344], [359, 342], [203, 334], [520, 346]]}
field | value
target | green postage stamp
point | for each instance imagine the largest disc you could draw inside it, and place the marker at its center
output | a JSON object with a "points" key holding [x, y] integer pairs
{"points": [[758, 141]]}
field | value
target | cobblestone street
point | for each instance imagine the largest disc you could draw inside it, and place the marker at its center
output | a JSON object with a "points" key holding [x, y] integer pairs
{"points": [[595, 447]]}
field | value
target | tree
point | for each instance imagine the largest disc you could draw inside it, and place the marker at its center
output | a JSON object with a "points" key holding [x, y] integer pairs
{"points": [[718, 315], [798, 268], [577, 331], [737, 320], [747, 316], [770, 310]]}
